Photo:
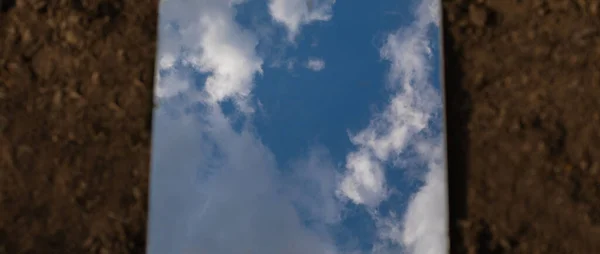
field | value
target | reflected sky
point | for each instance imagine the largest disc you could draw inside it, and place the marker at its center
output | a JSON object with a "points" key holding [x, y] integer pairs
{"points": [[287, 129]]}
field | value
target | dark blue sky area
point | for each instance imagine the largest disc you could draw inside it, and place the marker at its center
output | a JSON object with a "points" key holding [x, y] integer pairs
{"points": [[305, 107]]}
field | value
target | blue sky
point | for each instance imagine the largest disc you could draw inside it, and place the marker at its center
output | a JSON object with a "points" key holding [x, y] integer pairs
{"points": [[287, 127]]}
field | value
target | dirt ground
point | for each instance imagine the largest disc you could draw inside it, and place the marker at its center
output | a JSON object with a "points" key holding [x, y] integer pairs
{"points": [[522, 87], [76, 82], [523, 96]]}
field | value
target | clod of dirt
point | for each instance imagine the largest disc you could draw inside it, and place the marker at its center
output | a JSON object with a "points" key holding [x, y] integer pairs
{"points": [[478, 15], [71, 38]]}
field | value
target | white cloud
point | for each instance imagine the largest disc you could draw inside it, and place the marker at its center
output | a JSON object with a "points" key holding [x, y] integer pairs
{"points": [[315, 64], [410, 109], [215, 190], [288, 64], [178, 82], [364, 181], [206, 37], [313, 182], [423, 227], [425, 222], [400, 126], [293, 14], [166, 61]]}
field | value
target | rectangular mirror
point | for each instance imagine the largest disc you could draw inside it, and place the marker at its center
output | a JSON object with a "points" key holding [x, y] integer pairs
{"points": [[298, 126]]}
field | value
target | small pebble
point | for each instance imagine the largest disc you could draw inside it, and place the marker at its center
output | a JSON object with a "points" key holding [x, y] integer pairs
{"points": [[71, 37]]}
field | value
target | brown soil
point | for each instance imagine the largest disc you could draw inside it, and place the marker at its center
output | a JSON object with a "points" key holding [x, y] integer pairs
{"points": [[76, 82], [523, 104]]}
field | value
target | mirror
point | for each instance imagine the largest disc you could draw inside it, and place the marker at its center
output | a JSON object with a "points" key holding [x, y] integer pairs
{"points": [[294, 126]]}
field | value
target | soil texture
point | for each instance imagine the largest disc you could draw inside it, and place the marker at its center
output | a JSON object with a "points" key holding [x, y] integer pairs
{"points": [[523, 110], [76, 79]]}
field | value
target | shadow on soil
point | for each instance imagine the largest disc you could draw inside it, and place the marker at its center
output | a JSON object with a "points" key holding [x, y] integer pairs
{"points": [[458, 111], [6, 5]]}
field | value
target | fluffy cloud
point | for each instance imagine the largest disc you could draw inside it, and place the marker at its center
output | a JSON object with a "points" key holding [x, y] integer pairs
{"points": [[315, 64], [203, 35], [364, 181], [425, 222], [401, 125], [293, 14], [408, 113]]}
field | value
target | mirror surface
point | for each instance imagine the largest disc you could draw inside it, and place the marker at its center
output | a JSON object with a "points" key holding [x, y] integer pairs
{"points": [[298, 126]]}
